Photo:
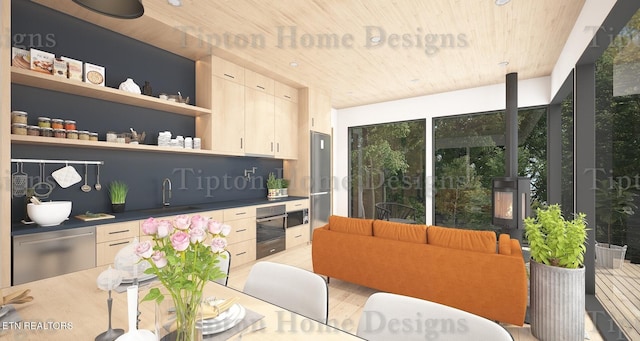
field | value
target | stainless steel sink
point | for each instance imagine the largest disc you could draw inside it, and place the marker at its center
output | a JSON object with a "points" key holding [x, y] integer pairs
{"points": [[169, 209]]}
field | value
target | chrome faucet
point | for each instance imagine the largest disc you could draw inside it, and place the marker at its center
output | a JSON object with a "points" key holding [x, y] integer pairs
{"points": [[166, 185]]}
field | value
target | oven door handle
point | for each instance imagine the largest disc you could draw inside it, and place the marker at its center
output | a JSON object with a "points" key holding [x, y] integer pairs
{"points": [[262, 220]]}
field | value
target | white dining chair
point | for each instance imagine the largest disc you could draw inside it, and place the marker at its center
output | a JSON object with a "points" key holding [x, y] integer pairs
{"points": [[224, 265], [291, 288], [388, 316]]}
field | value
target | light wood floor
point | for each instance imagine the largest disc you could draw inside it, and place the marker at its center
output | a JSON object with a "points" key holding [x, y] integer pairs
{"points": [[619, 292], [346, 299]]}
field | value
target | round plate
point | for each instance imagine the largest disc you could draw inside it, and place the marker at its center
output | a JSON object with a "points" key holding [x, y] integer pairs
{"points": [[227, 320], [142, 278]]}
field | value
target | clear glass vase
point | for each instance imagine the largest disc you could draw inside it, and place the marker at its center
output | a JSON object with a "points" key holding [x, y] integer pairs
{"points": [[177, 317]]}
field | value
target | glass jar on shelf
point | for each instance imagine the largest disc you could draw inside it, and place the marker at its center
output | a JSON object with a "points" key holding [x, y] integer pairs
{"points": [[93, 136], [59, 133], [72, 134], [33, 130], [19, 117], [44, 122], [83, 135], [56, 123], [70, 125], [19, 129], [46, 132]]}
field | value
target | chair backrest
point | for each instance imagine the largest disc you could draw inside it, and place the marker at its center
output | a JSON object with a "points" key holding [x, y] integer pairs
{"points": [[390, 210], [395, 317], [291, 288], [224, 265]]}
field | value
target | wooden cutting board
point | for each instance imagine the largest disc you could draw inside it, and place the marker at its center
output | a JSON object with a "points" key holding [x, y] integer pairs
{"points": [[95, 216]]}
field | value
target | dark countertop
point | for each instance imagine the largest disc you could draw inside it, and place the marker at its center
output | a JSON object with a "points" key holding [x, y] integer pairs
{"points": [[20, 228]]}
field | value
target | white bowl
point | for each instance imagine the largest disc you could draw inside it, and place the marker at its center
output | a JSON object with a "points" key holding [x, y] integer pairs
{"points": [[49, 213]]}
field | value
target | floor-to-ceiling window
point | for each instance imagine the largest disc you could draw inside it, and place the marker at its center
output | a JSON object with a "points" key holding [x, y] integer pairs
{"points": [[469, 153], [387, 164], [616, 177]]}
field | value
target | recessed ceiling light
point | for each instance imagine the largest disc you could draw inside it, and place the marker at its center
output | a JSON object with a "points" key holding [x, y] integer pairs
{"points": [[502, 2], [375, 39], [293, 64], [176, 3], [503, 64], [415, 80]]}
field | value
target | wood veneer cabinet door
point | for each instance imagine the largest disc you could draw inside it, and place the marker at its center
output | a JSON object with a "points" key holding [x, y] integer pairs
{"points": [[259, 122], [286, 129], [320, 111], [228, 118]]}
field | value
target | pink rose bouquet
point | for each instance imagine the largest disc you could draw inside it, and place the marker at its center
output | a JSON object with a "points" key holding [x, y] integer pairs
{"points": [[184, 255]]}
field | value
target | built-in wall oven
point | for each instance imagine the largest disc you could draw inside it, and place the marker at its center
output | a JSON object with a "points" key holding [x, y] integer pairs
{"points": [[271, 222]]}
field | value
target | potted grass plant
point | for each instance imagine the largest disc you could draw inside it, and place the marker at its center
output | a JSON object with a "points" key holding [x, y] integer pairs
{"points": [[118, 194], [276, 187], [557, 274]]}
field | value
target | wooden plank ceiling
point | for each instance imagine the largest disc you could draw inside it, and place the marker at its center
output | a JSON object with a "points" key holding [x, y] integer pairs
{"points": [[425, 47]]}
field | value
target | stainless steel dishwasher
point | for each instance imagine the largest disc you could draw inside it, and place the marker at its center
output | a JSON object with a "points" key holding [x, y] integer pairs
{"points": [[47, 254]]}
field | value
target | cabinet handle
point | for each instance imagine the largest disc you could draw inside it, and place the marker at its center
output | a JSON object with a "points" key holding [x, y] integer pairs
{"points": [[241, 213], [313, 122], [285, 96], [260, 87], [297, 205], [272, 250], [242, 230], [298, 236], [120, 243], [228, 75], [121, 231], [271, 146], [241, 253], [278, 147]]}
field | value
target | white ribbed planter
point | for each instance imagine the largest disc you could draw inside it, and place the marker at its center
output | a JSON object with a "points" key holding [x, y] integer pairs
{"points": [[610, 257], [557, 303]]}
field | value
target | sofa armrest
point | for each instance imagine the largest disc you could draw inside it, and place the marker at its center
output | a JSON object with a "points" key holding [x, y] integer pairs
{"points": [[508, 246]]}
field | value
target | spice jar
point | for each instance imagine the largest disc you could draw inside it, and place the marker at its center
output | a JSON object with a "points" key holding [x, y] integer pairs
{"points": [[19, 117], [44, 122], [33, 130], [19, 129], [56, 123], [93, 136], [72, 134], [46, 132], [70, 125], [83, 135], [59, 133]]}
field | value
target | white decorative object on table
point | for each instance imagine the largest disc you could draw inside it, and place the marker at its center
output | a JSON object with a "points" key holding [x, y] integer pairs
{"points": [[130, 86]]}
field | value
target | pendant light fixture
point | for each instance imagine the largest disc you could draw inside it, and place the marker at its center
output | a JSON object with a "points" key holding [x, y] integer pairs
{"points": [[123, 9]]}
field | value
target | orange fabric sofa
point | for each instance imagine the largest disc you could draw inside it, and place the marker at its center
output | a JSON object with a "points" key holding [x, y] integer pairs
{"points": [[468, 270]]}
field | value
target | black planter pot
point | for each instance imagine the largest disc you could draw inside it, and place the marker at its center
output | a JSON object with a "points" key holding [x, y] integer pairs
{"points": [[117, 208]]}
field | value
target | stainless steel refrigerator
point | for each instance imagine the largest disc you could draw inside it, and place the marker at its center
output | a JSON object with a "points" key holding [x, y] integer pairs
{"points": [[320, 182]]}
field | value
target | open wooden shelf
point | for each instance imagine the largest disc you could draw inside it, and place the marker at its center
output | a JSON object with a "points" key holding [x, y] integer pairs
{"points": [[52, 141], [64, 85]]}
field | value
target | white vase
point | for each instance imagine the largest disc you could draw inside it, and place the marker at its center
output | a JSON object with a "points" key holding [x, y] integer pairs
{"points": [[130, 86]]}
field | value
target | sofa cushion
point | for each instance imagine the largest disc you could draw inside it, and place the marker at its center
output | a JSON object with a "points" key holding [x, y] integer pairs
{"points": [[358, 226], [504, 244], [399, 231], [470, 240]]}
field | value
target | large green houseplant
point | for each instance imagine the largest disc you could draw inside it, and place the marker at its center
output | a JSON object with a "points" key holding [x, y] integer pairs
{"points": [[557, 282], [614, 204]]}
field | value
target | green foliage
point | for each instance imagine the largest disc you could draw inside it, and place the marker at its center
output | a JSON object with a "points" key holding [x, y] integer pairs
{"points": [[614, 203], [276, 183], [118, 192], [555, 241]]}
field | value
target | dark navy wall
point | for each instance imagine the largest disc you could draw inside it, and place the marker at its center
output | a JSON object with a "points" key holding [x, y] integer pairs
{"points": [[196, 178]]}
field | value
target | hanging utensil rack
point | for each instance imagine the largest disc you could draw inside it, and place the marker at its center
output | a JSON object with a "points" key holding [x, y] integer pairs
{"points": [[59, 161]]}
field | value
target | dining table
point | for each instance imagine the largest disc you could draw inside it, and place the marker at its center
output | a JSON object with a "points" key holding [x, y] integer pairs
{"points": [[72, 307]]}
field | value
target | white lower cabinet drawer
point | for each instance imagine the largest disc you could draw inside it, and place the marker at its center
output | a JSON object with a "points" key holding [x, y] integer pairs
{"points": [[242, 252], [106, 252], [297, 236]]}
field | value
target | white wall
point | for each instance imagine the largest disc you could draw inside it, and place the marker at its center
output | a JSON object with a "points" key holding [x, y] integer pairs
{"points": [[533, 92]]}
